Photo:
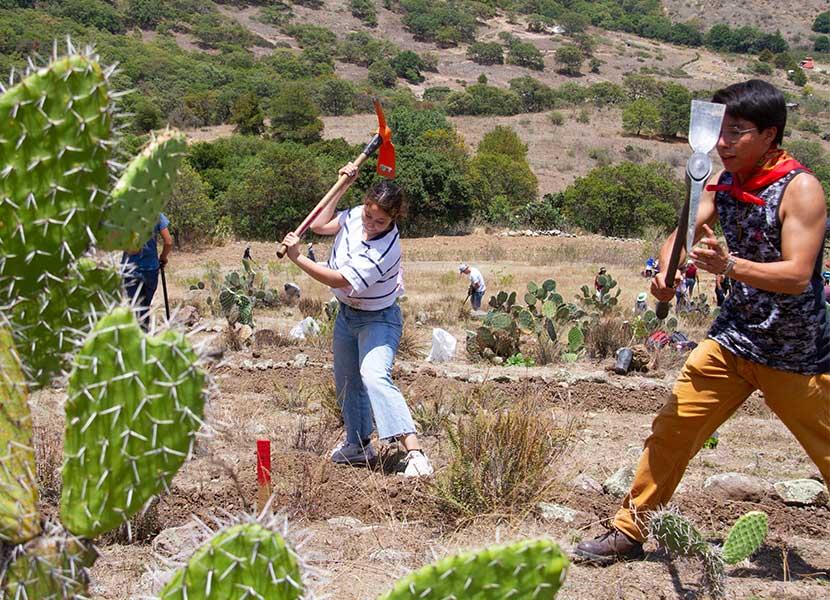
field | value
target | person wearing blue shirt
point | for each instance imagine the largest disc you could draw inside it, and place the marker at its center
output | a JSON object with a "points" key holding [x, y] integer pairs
{"points": [[141, 274]]}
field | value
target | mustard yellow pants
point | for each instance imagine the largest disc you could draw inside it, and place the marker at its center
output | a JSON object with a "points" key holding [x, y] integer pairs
{"points": [[711, 386]]}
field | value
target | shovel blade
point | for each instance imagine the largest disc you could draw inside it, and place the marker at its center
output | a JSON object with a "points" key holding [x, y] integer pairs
{"points": [[704, 125]]}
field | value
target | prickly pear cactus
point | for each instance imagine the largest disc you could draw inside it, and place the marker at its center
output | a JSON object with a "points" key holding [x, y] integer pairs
{"points": [[55, 130], [50, 567], [243, 561], [526, 569], [745, 537], [134, 406], [140, 194], [19, 518]]}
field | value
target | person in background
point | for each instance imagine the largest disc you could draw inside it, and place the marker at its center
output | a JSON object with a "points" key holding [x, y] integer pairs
{"points": [[691, 278], [641, 304], [722, 285], [310, 252], [826, 275], [477, 285], [597, 284], [141, 270], [681, 295]]}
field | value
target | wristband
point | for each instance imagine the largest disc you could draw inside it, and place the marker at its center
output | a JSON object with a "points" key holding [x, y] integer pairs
{"points": [[730, 264]]}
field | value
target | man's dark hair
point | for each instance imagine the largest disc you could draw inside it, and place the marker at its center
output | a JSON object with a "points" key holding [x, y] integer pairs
{"points": [[757, 101], [389, 196]]}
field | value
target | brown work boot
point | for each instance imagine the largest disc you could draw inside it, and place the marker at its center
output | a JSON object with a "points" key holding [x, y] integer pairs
{"points": [[610, 547]]}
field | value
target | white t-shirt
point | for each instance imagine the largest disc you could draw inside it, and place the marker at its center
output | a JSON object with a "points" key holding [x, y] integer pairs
{"points": [[476, 277], [372, 267]]}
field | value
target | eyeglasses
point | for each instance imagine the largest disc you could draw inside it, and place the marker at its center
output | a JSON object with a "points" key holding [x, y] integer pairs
{"points": [[731, 135]]}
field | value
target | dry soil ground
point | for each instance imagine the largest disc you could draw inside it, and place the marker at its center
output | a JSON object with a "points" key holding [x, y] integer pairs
{"points": [[367, 528]]}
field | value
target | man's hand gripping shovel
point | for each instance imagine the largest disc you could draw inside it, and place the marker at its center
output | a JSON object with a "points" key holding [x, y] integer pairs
{"points": [[704, 131], [382, 143]]}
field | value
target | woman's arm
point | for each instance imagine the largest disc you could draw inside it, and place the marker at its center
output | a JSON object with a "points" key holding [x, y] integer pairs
{"points": [[327, 223], [316, 271]]}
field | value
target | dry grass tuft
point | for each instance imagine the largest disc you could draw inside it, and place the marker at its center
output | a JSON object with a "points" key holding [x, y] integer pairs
{"points": [[48, 463], [501, 460], [432, 416], [410, 347], [142, 527], [605, 336], [310, 307]]}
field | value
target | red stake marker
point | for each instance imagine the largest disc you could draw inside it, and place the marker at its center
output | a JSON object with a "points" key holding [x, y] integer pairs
{"points": [[263, 472]]}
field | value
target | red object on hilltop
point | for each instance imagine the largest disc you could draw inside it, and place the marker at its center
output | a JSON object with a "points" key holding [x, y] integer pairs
{"points": [[263, 462]]}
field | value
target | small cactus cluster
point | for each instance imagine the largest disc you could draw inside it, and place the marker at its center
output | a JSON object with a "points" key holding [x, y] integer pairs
{"points": [[134, 402], [240, 293], [647, 323], [601, 301], [544, 309], [678, 535]]}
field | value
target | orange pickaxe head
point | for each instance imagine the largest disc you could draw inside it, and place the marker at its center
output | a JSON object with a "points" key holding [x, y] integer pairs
{"points": [[382, 140], [386, 153]]}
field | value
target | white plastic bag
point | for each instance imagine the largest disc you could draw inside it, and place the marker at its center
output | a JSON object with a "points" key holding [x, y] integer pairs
{"points": [[443, 346], [306, 327]]}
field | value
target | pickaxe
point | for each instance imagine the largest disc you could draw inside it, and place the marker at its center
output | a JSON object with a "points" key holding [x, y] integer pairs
{"points": [[704, 131], [386, 167]]}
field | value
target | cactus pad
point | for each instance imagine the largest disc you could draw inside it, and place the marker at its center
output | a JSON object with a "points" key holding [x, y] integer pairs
{"points": [[745, 537], [50, 567], [527, 569], [55, 129], [676, 533], [19, 519], [141, 193], [50, 324], [243, 561], [134, 406]]}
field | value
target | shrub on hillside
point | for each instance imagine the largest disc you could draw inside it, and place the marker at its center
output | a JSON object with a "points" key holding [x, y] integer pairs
{"points": [[191, 209], [95, 13], [294, 117], [623, 199], [365, 11], [480, 99], [821, 24], [361, 48], [535, 95], [525, 54], [437, 93], [569, 57], [486, 53], [503, 140], [408, 65], [247, 115], [445, 23], [497, 175], [336, 97], [382, 75]]}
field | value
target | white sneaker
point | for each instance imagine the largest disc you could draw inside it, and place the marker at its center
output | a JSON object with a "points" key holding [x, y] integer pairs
{"points": [[353, 454], [417, 464]]}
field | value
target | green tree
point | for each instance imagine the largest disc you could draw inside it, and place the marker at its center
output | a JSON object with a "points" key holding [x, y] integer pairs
{"points": [[408, 64], [94, 13], [822, 43], [623, 199], [570, 57], [525, 54], [534, 94], [499, 175], [191, 210], [382, 75], [247, 115], [486, 53], [798, 77], [640, 117], [822, 22], [145, 13], [336, 97], [503, 140], [719, 38], [409, 126], [481, 99], [273, 191], [674, 110], [294, 117], [365, 11]]}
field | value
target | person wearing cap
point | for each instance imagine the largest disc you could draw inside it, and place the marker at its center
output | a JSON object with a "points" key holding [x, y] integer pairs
{"points": [[477, 285], [597, 284], [641, 305]]}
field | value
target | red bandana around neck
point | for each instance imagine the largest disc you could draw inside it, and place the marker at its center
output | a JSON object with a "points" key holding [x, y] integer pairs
{"points": [[776, 165]]}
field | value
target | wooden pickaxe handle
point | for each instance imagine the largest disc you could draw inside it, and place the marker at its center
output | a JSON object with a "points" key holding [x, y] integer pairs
{"points": [[386, 168], [321, 206]]}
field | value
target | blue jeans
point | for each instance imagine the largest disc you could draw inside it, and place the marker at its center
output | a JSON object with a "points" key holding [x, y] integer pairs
{"points": [[141, 287], [475, 299], [364, 348]]}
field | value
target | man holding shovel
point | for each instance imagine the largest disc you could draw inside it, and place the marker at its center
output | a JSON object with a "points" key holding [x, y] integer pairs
{"points": [[141, 275], [477, 286], [772, 333]]}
